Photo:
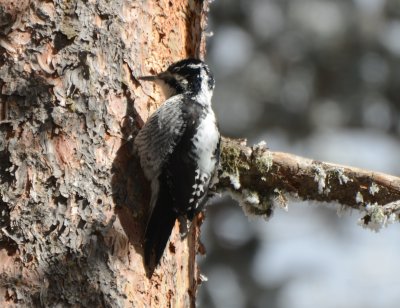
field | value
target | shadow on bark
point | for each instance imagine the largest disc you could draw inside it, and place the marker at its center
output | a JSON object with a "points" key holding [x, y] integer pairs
{"points": [[129, 187]]}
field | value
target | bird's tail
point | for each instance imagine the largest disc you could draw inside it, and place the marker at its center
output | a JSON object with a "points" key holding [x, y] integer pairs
{"points": [[159, 229]]}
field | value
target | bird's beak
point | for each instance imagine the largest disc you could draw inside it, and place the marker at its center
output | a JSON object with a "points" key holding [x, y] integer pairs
{"points": [[148, 78], [161, 76]]}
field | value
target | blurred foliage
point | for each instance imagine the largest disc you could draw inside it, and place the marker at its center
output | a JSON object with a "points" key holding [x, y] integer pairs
{"points": [[301, 64]]}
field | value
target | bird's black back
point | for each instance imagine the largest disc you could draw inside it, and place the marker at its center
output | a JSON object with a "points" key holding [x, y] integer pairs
{"points": [[176, 186]]}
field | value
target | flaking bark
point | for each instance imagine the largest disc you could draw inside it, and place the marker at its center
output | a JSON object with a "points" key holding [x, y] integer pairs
{"points": [[72, 197]]}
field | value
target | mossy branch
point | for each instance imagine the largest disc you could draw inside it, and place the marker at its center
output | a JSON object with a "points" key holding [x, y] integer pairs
{"points": [[261, 179]]}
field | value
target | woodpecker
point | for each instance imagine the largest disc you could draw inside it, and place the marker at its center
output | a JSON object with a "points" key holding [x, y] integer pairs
{"points": [[178, 148]]}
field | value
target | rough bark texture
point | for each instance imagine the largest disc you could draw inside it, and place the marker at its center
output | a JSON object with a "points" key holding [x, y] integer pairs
{"points": [[71, 195], [260, 179]]}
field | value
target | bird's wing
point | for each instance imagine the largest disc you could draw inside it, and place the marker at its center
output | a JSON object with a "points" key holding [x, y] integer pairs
{"points": [[159, 136]]}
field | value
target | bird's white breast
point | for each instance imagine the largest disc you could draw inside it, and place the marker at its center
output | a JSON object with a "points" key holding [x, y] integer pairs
{"points": [[205, 142]]}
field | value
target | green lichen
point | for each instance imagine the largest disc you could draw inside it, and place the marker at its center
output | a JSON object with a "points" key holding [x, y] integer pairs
{"points": [[263, 162], [231, 161], [262, 158]]}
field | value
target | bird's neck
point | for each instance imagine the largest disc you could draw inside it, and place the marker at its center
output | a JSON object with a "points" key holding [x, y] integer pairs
{"points": [[203, 96]]}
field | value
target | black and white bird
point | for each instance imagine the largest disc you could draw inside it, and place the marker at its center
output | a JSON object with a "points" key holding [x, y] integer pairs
{"points": [[178, 148]]}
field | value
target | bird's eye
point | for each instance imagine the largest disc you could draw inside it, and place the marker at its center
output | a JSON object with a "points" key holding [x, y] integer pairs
{"points": [[181, 79]]}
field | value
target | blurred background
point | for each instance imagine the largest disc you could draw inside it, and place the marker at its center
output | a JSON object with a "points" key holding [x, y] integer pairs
{"points": [[320, 79]]}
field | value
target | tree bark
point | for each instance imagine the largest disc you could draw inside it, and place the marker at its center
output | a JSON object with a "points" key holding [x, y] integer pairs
{"points": [[72, 197]]}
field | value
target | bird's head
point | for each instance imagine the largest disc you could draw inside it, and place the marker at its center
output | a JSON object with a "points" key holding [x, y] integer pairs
{"points": [[190, 76]]}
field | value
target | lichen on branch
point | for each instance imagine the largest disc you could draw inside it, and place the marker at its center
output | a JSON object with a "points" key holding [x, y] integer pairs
{"points": [[261, 180]]}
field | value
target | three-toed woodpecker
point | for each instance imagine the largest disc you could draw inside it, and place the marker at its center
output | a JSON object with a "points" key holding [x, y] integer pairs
{"points": [[179, 150]]}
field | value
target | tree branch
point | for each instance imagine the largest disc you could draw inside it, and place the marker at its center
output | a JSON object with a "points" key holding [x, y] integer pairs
{"points": [[260, 179]]}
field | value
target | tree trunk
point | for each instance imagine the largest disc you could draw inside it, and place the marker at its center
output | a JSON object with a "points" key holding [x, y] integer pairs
{"points": [[72, 197]]}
